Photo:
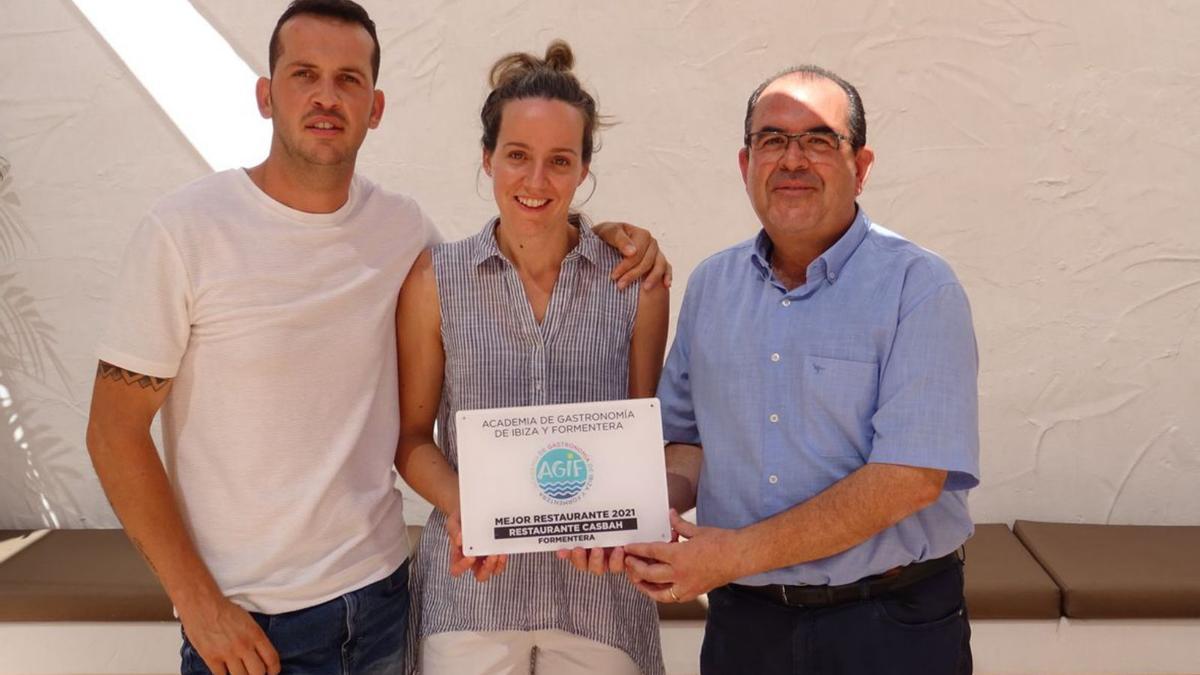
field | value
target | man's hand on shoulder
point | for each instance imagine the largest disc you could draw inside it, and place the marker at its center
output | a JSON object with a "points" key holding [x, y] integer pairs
{"points": [[642, 257], [680, 571]]}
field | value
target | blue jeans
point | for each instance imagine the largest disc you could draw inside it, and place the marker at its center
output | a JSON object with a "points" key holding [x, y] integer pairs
{"points": [[362, 631], [921, 629]]}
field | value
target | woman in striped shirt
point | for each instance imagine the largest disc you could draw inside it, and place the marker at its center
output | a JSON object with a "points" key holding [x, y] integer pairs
{"points": [[523, 313]]}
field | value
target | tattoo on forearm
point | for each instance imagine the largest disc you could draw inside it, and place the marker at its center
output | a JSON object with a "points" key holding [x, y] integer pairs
{"points": [[108, 371], [137, 543]]}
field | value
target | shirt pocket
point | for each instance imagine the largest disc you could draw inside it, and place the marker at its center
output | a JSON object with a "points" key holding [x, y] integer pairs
{"points": [[838, 398]]}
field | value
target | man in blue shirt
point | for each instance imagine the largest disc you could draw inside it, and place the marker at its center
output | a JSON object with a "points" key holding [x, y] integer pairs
{"points": [[821, 410]]}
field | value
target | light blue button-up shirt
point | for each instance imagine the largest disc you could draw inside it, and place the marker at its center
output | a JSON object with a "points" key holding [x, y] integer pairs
{"points": [[872, 359]]}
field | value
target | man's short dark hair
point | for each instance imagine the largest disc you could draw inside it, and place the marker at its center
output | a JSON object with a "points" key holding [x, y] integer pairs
{"points": [[340, 10], [857, 117]]}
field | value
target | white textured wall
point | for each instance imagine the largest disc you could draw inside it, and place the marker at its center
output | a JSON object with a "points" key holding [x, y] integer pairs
{"points": [[1047, 150]]}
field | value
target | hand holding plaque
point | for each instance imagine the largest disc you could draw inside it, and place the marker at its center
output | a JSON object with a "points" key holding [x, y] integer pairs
{"points": [[482, 569], [544, 478], [598, 561]]}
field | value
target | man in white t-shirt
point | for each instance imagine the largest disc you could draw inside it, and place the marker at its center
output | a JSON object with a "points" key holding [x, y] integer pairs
{"points": [[256, 308]]}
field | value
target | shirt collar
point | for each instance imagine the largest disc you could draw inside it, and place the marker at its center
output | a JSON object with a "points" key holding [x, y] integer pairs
{"points": [[833, 259], [486, 247], [838, 254]]}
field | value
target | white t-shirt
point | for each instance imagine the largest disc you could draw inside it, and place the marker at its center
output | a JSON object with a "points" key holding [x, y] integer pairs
{"points": [[280, 430]]}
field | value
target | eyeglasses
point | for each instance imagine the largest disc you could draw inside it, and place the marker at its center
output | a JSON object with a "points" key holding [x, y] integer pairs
{"points": [[816, 145]]}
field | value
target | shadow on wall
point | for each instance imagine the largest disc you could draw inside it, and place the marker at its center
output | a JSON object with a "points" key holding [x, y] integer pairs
{"points": [[33, 469]]}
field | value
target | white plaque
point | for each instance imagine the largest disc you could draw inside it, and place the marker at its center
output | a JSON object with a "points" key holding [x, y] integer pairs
{"points": [[543, 478]]}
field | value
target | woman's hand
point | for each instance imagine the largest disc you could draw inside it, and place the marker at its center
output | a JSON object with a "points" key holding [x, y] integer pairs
{"points": [[598, 561], [483, 568]]}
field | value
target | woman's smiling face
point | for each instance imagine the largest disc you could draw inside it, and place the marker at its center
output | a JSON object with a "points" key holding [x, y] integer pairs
{"points": [[537, 164]]}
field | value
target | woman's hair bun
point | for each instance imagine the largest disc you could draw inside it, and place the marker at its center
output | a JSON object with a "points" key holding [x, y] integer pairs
{"points": [[559, 56]]}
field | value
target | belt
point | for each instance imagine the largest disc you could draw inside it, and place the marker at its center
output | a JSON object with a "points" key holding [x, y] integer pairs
{"points": [[863, 589]]}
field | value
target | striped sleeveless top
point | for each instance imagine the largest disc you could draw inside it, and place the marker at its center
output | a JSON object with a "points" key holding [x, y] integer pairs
{"points": [[497, 355]]}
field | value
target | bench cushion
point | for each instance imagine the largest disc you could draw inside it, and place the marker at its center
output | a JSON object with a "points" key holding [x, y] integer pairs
{"points": [[1003, 581], [1119, 571], [81, 575]]}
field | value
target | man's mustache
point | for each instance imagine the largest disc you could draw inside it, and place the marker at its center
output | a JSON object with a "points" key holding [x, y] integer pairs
{"points": [[795, 179]]}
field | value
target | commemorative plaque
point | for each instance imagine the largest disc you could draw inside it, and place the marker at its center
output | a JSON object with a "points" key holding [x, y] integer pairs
{"points": [[542, 478]]}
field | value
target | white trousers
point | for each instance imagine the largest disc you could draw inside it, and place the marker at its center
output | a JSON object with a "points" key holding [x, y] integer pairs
{"points": [[538, 652]]}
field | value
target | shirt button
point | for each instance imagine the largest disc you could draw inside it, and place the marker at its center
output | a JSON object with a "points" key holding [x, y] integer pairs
{"points": [[786, 303], [774, 418], [772, 479], [832, 276], [775, 357]]}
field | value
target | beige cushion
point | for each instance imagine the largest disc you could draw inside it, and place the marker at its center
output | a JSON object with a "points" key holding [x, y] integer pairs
{"points": [[1119, 571], [5, 535], [81, 575], [1003, 581]]}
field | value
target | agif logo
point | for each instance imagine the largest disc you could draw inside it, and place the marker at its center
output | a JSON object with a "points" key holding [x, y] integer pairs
{"points": [[562, 473]]}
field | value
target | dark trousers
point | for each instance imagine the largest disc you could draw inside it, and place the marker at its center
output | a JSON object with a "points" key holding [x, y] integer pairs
{"points": [[920, 629]]}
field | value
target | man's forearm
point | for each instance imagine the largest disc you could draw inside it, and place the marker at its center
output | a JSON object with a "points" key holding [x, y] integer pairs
{"points": [[136, 485], [683, 475], [849, 512]]}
